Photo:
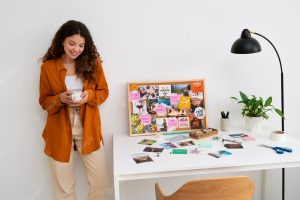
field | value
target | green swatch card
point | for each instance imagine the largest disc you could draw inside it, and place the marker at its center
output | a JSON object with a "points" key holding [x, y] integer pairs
{"points": [[179, 151]]}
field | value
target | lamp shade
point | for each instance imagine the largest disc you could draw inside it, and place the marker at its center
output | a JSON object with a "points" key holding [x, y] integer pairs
{"points": [[245, 44]]}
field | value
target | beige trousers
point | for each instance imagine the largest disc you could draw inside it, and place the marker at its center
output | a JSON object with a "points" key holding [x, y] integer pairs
{"points": [[94, 163]]}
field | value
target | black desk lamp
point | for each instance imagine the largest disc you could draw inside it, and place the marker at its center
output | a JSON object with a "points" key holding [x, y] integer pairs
{"points": [[246, 45]]}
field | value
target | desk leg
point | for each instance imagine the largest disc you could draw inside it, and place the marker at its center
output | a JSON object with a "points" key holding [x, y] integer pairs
{"points": [[117, 188], [263, 184]]}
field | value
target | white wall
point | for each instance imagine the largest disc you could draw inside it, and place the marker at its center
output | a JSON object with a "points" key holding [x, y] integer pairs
{"points": [[142, 40]]}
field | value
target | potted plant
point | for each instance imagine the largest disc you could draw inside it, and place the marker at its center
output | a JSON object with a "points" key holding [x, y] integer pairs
{"points": [[255, 109]]}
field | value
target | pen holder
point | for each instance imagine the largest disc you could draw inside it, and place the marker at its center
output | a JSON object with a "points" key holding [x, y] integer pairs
{"points": [[225, 124]]}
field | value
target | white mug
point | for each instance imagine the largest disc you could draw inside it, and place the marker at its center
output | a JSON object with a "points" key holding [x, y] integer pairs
{"points": [[76, 96]]}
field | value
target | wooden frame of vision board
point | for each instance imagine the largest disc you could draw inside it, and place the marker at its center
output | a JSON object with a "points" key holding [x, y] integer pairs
{"points": [[168, 106]]}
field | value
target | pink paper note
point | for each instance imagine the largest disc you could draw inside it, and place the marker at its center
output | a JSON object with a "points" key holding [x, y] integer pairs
{"points": [[145, 119], [135, 96], [174, 99]]}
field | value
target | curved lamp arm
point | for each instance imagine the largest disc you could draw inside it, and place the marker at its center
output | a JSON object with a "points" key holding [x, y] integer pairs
{"points": [[282, 90]]}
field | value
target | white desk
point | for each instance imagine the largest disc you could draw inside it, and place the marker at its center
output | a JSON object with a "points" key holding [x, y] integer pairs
{"points": [[251, 157]]}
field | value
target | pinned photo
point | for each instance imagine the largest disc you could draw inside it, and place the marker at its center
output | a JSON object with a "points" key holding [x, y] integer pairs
{"points": [[139, 107], [148, 92], [161, 124], [182, 89]]}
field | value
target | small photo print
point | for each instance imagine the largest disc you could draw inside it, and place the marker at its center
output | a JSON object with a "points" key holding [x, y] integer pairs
{"points": [[181, 89], [174, 111], [139, 107], [153, 149], [151, 128], [186, 143], [168, 145], [165, 101], [161, 124], [136, 126], [147, 142], [197, 95], [141, 157], [195, 122], [148, 91], [195, 103], [151, 106]]}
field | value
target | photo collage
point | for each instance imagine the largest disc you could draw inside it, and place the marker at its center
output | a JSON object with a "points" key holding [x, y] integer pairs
{"points": [[166, 107]]}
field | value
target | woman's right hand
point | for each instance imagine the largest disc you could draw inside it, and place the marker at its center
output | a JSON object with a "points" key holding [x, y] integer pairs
{"points": [[66, 97]]}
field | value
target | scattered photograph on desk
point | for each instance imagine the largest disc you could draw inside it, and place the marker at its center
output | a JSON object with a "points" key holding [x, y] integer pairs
{"points": [[248, 138], [168, 145], [177, 138], [220, 153], [153, 149], [195, 151], [186, 143], [141, 157], [147, 142]]}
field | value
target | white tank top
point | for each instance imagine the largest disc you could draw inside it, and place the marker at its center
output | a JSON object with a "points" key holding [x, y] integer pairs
{"points": [[74, 83]]}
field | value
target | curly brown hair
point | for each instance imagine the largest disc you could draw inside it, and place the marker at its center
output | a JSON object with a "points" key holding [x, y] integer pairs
{"points": [[86, 62]]}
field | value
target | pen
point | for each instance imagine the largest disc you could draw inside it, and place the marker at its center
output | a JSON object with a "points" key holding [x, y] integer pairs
{"points": [[227, 140]]}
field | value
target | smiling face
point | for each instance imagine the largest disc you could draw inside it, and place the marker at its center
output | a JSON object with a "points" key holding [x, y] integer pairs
{"points": [[73, 46]]}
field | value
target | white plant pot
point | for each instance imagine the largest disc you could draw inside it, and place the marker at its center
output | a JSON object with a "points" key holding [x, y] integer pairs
{"points": [[253, 124], [225, 124]]}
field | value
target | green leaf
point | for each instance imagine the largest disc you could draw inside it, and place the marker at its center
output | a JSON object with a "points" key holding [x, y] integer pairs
{"points": [[234, 98], [279, 113], [243, 96], [268, 101]]}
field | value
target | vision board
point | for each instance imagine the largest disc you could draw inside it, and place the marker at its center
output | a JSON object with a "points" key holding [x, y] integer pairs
{"points": [[168, 106]]}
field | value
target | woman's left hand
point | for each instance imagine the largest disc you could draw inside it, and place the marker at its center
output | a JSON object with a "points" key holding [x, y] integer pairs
{"points": [[84, 97]]}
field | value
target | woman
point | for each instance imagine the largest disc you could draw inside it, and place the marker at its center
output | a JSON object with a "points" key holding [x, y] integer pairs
{"points": [[72, 64]]}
